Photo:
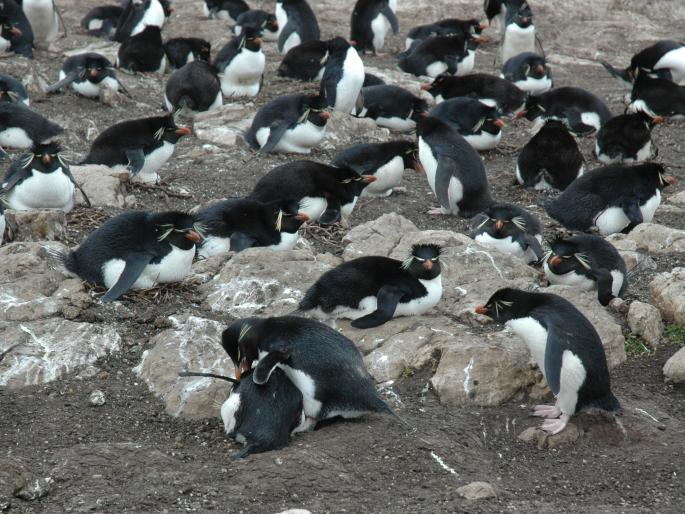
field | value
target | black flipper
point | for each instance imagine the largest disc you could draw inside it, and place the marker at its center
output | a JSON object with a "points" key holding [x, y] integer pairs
{"points": [[266, 365], [554, 355], [241, 241], [452, 64], [136, 160], [247, 450], [604, 282], [534, 245], [135, 264], [576, 124], [615, 72], [332, 212], [71, 77], [388, 298], [284, 35], [390, 15], [633, 213], [275, 136], [443, 175]]}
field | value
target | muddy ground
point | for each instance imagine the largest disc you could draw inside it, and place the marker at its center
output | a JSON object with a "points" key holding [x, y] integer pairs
{"points": [[129, 455]]}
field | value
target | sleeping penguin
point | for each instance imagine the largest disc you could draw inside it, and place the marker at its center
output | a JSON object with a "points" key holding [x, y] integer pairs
{"points": [[143, 52], [40, 179], [370, 22], [241, 64], [529, 72], [12, 90], [16, 33], [565, 346], [392, 107], [372, 290], [296, 24], [613, 199], [434, 56], [20, 127], [665, 55], [587, 262], [551, 159], [385, 161], [139, 15], [143, 146], [293, 123], [264, 23], [454, 170], [446, 27], [324, 193], [509, 229], [239, 223], [582, 111], [135, 250], [182, 50], [324, 365], [626, 138], [306, 61], [102, 21], [225, 9], [657, 97], [519, 31], [343, 76], [193, 89], [45, 21], [480, 124], [489, 89], [87, 74]]}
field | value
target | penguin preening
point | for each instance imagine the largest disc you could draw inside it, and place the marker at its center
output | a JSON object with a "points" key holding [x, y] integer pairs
{"points": [[241, 63], [296, 24], [45, 21], [225, 9], [135, 250], [657, 97], [529, 72], [509, 229], [102, 21], [20, 127], [665, 55], [446, 27], [192, 89], [12, 90], [626, 138], [480, 124], [519, 31], [391, 106], [551, 159], [264, 23], [143, 52], [143, 146], [343, 76], [239, 223], [454, 170], [372, 290], [587, 262], [182, 50], [324, 365], [434, 56], [87, 74], [138, 15], [370, 22], [17, 34], [290, 123], [613, 199], [306, 61], [565, 346]]}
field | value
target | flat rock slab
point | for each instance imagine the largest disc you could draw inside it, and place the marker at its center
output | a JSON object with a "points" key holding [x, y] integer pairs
{"points": [[37, 225], [104, 186]]}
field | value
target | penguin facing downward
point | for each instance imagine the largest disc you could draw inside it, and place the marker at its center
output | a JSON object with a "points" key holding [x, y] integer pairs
{"points": [[12, 90], [392, 107], [626, 138], [296, 24], [182, 50], [613, 199], [511, 230], [372, 290], [480, 124], [86, 74], [565, 346], [665, 55], [369, 24], [587, 262], [44, 19], [529, 72], [194, 88], [306, 61], [519, 31], [263, 22], [135, 250], [143, 52], [324, 365], [454, 170], [102, 21], [241, 64], [20, 127], [343, 76]]}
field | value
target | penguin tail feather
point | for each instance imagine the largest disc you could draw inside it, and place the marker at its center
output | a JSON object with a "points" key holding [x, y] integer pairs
{"points": [[608, 402], [616, 73]]}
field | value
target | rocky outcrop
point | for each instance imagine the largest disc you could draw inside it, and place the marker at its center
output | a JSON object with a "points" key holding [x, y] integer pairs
{"points": [[667, 292], [104, 186], [37, 225]]}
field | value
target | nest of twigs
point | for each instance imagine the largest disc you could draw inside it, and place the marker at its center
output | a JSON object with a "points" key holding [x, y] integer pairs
{"points": [[325, 237], [185, 290]]}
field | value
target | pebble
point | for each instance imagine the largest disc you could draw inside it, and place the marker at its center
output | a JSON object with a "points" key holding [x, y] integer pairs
{"points": [[97, 398]]}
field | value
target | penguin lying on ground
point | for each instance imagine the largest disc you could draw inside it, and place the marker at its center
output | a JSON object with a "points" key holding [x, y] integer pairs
{"points": [[665, 55], [529, 72], [324, 365], [264, 23], [434, 56], [519, 31], [565, 346], [372, 290], [20, 127], [488, 89], [509, 229], [17, 35], [239, 223], [480, 124], [225, 9], [613, 199], [12, 90], [289, 123], [102, 21], [343, 76], [193, 89], [296, 24], [454, 170], [385, 161], [241, 64], [305, 61], [324, 193], [657, 97], [587, 262], [551, 159], [143, 146], [446, 27], [392, 107], [135, 250], [143, 52], [137, 16], [87, 74], [370, 22], [626, 138], [182, 50], [45, 21]]}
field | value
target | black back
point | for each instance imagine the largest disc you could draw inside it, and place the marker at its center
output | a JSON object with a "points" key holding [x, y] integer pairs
{"points": [[257, 20], [479, 85], [371, 80], [388, 101], [304, 61], [247, 41], [647, 58], [567, 103], [301, 19], [447, 49], [178, 49], [524, 65], [467, 115], [662, 96], [363, 13], [624, 135], [195, 86], [143, 52], [234, 7], [446, 27], [366, 158], [333, 73], [38, 128]]}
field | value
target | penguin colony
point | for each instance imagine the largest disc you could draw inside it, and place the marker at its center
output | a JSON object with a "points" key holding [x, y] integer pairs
{"points": [[284, 364]]}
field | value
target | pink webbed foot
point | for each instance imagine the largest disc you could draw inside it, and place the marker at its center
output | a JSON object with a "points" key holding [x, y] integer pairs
{"points": [[554, 426], [547, 411], [437, 210]]}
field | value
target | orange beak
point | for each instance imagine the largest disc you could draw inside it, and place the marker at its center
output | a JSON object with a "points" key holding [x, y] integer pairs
{"points": [[555, 261], [499, 123], [301, 216], [94, 74], [353, 42], [499, 225], [183, 131], [482, 309], [258, 41], [368, 179], [521, 113], [243, 368], [484, 26], [326, 115], [670, 179], [540, 68], [426, 87], [193, 236], [657, 119], [419, 167], [428, 265], [47, 160], [16, 32]]}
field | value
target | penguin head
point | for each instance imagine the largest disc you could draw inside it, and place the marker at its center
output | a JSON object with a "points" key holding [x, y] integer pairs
{"points": [[649, 121], [409, 152], [477, 117], [250, 39], [168, 130], [7, 92], [423, 262], [532, 109], [176, 228], [353, 181], [507, 304], [475, 26], [96, 68], [534, 66], [432, 126], [500, 221], [241, 342], [204, 52], [439, 84], [7, 30], [521, 15], [419, 109], [565, 256], [44, 158], [314, 111], [288, 217], [653, 170], [338, 45], [270, 23]]}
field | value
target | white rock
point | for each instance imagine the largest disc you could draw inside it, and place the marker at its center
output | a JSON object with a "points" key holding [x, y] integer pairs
{"points": [[105, 187], [674, 369], [96, 398], [658, 238], [667, 292], [644, 320], [477, 491], [224, 125]]}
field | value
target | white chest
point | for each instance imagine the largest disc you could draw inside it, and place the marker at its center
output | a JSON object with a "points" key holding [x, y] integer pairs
{"points": [[424, 303], [313, 206], [172, 268], [43, 19], [15, 137], [281, 17], [396, 123], [507, 245], [288, 241], [242, 76], [517, 40], [675, 61], [570, 279], [292, 41], [466, 65], [214, 245], [229, 412], [379, 27], [535, 86], [154, 162], [307, 386], [300, 139], [43, 191], [436, 68], [484, 140], [387, 176], [613, 219], [350, 83], [5, 44], [534, 335], [154, 16]]}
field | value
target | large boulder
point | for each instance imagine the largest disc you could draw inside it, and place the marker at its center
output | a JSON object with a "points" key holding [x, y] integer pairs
{"points": [[667, 292], [644, 320], [674, 369], [104, 186]]}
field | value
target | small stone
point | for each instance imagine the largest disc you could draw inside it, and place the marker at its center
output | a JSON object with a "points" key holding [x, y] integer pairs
{"points": [[645, 321], [97, 398], [36, 489], [37, 225], [674, 369], [477, 491], [529, 435], [566, 437]]}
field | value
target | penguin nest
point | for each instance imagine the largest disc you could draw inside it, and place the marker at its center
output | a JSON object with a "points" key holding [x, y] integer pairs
{"points": [[162, 293], [328, 236]]}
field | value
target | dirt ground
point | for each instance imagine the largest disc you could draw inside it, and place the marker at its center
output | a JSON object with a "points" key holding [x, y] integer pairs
{"points": [[130, 456]]}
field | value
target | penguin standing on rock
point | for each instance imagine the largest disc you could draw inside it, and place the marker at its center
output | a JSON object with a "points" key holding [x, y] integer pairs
{"points": [[588, 262], [87, 74], [135, 250], [102, 21], [143, 52], [369, 25], [20, 127], [324, 365], [663, 56], [263, 22], [373, 290], [626, 138], [551, 159], [306, 61], [296, 24], [511, 230], [446, 27], [454, 170], [17, 34], [182, 50], [12, 90], [480, 124], [241, 64], [565, 346], [343, 76], [225, 9], [612, 199], [143, 146], [392, 107], [529, 72], [45, 20], [657, 97], [519, 32], [194, 88], [137, 16], [434, 56]]}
